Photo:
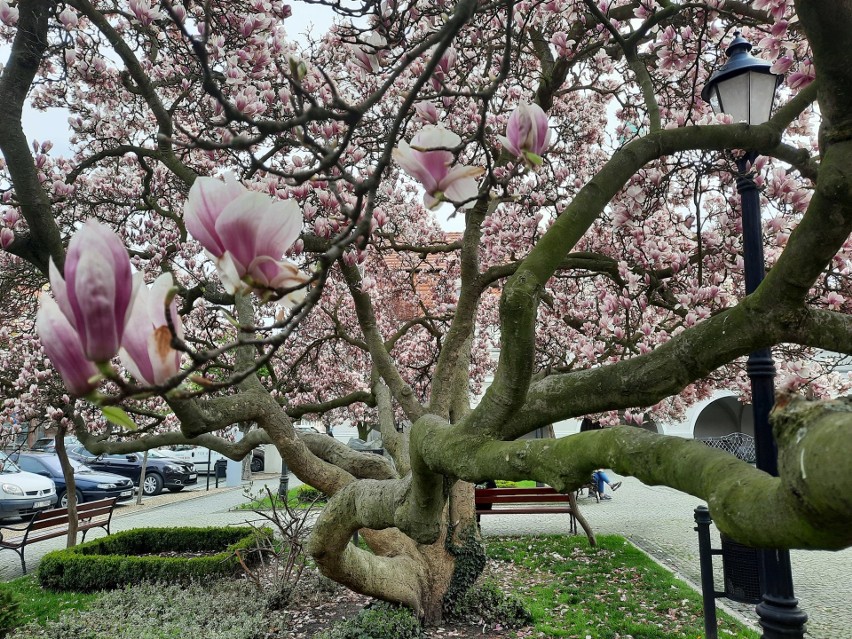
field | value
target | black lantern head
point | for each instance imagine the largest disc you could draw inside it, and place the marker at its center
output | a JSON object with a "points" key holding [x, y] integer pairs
{"points": [[744, 87]]}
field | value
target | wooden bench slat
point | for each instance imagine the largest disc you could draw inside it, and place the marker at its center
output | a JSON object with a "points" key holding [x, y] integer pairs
{"points": [[524, 511], [542, 490], [49, 524], [524, 501]]}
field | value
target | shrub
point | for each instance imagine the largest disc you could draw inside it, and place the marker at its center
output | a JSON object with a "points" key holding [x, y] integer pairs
{"points": [[279, 577], [10, 612], [113, 562], [309, 495], [161, 611], [487, 604], [505, 483], [379, 621]]}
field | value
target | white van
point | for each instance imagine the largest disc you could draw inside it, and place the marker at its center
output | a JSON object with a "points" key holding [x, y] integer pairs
{"points": [[23, 493]]}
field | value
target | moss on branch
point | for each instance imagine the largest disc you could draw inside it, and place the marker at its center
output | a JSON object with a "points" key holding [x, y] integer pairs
{"points": [[808, 506]]}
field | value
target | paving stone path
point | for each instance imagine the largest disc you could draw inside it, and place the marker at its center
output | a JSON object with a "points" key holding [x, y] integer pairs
{"points": [[657, 519]]}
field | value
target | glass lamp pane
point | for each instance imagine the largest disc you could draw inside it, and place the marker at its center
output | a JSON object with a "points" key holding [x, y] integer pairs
{"points": [[733, 96], [762, 95]]}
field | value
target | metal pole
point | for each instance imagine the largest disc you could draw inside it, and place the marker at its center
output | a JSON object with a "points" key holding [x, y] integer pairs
{"points": [[778, 613], [284, 482], [705, 558]]}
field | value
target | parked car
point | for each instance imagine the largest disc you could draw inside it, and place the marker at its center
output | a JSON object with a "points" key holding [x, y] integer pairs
{"points": [[161, 472], [91, 485], [23, 493], [205, 459], [48, 444], [307, 429]]}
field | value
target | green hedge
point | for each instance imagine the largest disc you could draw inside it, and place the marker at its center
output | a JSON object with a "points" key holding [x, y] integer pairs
{"points": [[112, 562]]}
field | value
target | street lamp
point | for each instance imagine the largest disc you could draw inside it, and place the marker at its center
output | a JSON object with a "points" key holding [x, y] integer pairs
{"points": [[745, 89]]}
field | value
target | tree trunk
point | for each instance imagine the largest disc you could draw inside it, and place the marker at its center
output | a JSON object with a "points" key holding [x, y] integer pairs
{"points": [[429, 578], [70, 487]]}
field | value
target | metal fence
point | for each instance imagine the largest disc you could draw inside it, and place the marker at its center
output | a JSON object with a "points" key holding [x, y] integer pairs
{"points": [[740, 445]]}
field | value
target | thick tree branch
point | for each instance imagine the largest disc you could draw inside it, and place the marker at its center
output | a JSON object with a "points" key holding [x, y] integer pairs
{"points": [[807, 506], [44, 240], [381, 358]]}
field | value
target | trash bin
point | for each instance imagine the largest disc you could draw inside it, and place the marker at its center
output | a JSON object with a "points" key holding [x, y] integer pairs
{"points": [[740, 570], [220, 468]]}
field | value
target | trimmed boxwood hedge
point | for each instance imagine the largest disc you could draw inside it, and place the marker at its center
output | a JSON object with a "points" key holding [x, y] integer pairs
{"points": [[112, 562]]}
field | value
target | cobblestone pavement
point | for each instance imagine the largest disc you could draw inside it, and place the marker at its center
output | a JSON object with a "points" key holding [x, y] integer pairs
{"points": [[657, 519]]}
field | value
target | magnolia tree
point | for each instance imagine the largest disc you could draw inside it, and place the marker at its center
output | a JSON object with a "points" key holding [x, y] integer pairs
{"points": [[249, 229]]}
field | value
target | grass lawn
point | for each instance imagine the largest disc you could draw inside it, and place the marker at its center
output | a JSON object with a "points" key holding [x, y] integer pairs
{"points": [[608, 592], [41, 605], [262, 501], [612, 591]]}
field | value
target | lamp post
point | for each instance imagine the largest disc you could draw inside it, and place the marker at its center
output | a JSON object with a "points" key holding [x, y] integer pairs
{"points": [[745, 88], [284, 482]]}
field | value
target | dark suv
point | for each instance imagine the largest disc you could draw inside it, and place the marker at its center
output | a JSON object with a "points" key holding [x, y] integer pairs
{"points": [[91, 485], [160, 472]]}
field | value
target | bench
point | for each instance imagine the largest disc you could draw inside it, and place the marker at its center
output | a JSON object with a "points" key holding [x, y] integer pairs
{"points": [[530, 501], [48, 524]]}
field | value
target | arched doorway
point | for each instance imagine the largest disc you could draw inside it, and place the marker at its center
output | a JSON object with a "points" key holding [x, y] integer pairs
{"points": [[723, 416]]}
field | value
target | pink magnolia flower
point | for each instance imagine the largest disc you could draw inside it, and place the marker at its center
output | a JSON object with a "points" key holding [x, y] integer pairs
{"points": [[7, 236], [8, 15], [68, 18], [432, 168], [246, 233], [371, 55], [447, 61], [146, 350], [782, 65], [561, 43], [62, 345], [427, 112], [97, 291], [527, 133]]}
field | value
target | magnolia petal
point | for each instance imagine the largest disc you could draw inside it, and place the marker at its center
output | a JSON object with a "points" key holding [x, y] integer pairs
{"points": [[134, 347], [412, 162], [95, 291], [97, 236], [240, 225], [509, 145], [58, 286], [279, 228], [294, 298], [143, 373], [231, 274], [160, 289], [434, 137], [527, 131], [461, 184], [98, 289], [207, 198], [62, 346], [165, 361], [146, 350]]}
